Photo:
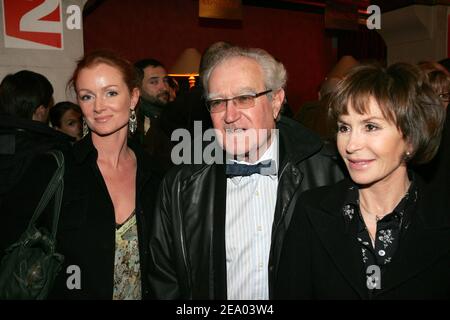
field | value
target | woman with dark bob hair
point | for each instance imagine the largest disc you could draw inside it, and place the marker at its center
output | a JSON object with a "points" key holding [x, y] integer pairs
{"points": [[377, 234], [109, 190]]}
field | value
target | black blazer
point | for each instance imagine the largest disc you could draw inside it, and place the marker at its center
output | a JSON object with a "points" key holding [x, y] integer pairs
{"points": [[322, 260], [86, 230]]}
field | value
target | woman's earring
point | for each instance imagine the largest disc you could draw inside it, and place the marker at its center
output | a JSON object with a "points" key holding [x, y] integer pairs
{"points": [[132, 123], [407, 155], [85, 127]]}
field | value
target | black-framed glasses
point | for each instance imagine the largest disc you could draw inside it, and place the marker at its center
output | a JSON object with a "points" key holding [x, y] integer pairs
{"points": [[245, 101]]}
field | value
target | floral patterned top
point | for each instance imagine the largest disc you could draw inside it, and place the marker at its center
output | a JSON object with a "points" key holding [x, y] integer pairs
{"points": [[389, 229], [127, 273]]}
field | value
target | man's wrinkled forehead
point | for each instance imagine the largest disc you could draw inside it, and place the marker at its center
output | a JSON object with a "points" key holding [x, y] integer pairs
{"points": [[248, 79]]}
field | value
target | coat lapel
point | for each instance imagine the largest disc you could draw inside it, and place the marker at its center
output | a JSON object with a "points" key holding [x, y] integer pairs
{"points": [[339, 239], [293, 147], [219, 268], [288, 183], [426, 240], [343, 249]]}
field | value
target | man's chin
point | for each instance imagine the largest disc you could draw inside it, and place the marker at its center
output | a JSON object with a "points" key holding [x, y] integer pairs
{"points": [[160, 103], [162, 100], [157, 102], [242, 154]]}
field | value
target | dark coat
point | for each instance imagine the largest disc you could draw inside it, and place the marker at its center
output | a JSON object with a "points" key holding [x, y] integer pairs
{"points": [[20, 141], [86, 230], [321, 258], [156, 141], [187, 244]]}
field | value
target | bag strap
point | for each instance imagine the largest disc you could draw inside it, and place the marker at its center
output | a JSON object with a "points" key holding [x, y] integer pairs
{"points": [[54, 187]]}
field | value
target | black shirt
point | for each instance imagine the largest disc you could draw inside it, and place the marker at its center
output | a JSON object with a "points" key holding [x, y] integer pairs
{"points": [[388, 232]]}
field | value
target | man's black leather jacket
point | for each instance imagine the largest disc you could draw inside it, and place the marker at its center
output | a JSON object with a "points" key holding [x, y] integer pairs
{"points": [[187, 242]]}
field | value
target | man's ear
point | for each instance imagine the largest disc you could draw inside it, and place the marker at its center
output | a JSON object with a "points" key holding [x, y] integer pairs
{"points": [[40, 114], [277, 102]]}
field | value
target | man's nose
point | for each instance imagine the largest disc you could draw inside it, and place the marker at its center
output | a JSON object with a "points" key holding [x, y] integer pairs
{"points": [[232, 113], [163, 85]]}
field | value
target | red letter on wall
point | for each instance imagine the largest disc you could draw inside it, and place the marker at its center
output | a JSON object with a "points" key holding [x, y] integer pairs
{"points": [[33, 24]]}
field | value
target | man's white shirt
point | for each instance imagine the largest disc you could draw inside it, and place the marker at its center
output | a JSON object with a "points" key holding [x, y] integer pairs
{"points": [[250, 209]]}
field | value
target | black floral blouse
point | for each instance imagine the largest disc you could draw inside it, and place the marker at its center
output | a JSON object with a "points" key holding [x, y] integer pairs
{"points": [[389, 229]]}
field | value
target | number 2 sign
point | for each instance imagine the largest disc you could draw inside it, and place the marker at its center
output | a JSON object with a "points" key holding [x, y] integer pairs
{"points": [[33, 24]]}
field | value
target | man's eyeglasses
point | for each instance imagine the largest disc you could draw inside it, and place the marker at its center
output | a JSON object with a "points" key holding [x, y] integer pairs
{"points": [[245, 101], [445, 96]]}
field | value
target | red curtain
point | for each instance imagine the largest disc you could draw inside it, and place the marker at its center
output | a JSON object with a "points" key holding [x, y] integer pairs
{"points": [[163, 29], [363, 45]]}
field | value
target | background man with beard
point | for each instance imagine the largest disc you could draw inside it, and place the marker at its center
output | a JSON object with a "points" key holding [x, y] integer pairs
{"points": [[153, 131]]}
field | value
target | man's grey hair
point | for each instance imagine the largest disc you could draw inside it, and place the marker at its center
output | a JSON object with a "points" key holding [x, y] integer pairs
{"points": [[274, 73]]}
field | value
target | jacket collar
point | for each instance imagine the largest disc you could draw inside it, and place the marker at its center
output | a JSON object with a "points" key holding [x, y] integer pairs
{"points": [[429, 198], [339, 241], [84, 150], [296, 142], [15, 123], [219, 267], [148, 109]]}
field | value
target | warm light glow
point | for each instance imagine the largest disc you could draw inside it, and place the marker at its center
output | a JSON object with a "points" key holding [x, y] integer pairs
{"points": [[190, 76], [187, 65], [191, 82], [183, 74]]}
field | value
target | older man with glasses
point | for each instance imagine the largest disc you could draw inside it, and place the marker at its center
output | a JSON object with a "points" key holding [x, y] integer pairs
{"points": [[219, 227]]}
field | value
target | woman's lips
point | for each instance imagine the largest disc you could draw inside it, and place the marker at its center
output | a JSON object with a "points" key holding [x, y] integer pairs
{"points": [[359, 164], [102, 119]]}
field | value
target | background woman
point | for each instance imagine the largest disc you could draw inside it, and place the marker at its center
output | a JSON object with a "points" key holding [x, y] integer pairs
{"points": [[66, 117]]}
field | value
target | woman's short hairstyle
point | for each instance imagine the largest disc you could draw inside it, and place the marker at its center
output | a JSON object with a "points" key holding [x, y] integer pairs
{"points": [[58, 111], [405, 98], [274, 73], [112, 59]]}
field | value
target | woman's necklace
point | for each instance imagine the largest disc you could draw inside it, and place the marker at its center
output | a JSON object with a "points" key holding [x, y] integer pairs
{"points": [[377, 218], [372, 237]]}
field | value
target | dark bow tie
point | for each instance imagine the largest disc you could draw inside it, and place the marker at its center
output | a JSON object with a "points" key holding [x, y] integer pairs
{"points": [[265, 168]]}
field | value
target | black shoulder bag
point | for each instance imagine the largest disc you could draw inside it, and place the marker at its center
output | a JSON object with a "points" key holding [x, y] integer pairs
{"points": [[30, 265]]}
